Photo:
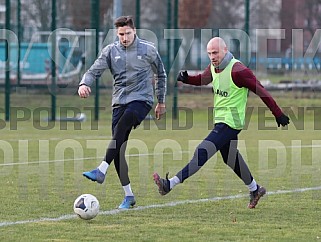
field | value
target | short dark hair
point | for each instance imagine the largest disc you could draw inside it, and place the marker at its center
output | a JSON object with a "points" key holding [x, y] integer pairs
{"points": [[124, 21]]}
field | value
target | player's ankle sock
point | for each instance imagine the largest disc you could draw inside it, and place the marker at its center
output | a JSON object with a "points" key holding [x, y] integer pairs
{"points": [[128, 190], [252, 186], [173, 181], [103, 167]]}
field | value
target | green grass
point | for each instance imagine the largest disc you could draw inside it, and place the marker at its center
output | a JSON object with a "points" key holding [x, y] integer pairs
{"points": [[47, 177]]}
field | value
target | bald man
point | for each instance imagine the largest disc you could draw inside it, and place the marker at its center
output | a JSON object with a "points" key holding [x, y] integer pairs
{"points": [[231, 81]]}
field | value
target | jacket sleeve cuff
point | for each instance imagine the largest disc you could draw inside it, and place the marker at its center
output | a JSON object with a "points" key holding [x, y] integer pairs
{"points": [[161, 99]]}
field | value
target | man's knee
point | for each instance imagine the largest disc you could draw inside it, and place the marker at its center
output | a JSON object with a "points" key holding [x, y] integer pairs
{"points": [[128, 119], [125, 123]]}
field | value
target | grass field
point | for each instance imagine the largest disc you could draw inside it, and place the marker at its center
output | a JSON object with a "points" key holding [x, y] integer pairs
{"points": [[41, 164]]}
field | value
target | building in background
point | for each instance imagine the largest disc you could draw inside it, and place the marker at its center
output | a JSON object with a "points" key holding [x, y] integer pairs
{"points": [[299, 16]]}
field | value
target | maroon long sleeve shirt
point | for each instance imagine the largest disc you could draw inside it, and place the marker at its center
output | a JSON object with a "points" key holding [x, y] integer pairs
{"points": [[242, 77]]}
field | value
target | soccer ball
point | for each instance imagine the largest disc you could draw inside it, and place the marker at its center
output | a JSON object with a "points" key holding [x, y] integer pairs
{"points": [[86, 206]]}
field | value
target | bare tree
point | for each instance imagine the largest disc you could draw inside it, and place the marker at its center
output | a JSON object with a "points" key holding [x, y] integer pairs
{"points": [[36, 13], [264, 14], [226, 14], [153, 14], [74, 14], [63, 12]]}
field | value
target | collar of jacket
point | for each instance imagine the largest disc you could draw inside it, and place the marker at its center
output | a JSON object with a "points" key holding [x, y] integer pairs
{"points": [[226, 60]]}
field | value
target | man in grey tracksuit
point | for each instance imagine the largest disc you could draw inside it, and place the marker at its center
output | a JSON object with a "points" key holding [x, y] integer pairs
{"points": [[135, 64]]}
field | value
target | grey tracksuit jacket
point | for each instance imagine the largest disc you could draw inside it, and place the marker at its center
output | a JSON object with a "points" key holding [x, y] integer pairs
{"points": [[134, 70]]}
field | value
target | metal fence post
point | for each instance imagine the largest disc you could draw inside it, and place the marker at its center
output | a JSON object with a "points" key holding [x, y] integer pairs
{"points": [[95, 17], [247, 30], [19, 41], [53, 61], [7, 57], [176, 46], [137, 14]]}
